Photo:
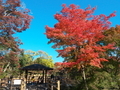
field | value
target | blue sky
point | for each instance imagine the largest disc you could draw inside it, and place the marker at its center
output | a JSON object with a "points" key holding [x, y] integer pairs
{"points": [[43, 11]]}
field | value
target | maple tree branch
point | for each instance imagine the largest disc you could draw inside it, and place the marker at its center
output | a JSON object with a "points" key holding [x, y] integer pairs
{"points": [[6, 67]]}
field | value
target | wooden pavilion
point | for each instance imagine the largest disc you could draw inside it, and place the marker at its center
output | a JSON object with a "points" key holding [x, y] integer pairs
{"points": [[36, 67]]}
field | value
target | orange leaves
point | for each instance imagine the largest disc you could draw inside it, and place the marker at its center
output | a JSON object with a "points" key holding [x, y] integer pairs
{"points": [[65, 64], [97, 62], [109, 46]]}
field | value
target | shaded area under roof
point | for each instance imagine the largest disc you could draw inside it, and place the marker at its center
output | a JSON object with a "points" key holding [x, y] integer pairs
{"points": [[36, 67]]}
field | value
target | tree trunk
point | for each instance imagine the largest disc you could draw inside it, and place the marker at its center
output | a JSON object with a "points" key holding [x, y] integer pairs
{"points": [[84, 77]]}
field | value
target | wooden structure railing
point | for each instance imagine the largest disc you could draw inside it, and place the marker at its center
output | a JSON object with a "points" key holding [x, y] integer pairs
{"points": [[20, 83]]}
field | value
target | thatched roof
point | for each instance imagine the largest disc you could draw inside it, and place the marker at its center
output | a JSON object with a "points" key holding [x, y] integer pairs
{"points": [[36, 67]]}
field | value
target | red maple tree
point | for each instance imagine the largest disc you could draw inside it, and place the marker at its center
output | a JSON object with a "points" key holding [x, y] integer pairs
{"points": [[76, 35]]}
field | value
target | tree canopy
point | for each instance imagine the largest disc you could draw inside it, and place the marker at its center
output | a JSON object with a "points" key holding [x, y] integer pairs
{"points": [[76, 34], [13, 19]]}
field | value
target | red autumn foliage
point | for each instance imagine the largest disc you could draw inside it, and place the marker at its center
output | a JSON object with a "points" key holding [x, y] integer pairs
{"points": [[13, 19], [76, 35]]}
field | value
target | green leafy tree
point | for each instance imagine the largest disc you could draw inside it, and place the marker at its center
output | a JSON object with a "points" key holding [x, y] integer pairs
{"points": [[25, 58], [44, 59], [35, 57]]}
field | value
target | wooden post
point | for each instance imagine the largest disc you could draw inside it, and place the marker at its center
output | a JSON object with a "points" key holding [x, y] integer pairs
{"points": [[22, 85], [26, 75], [11, 82], [24, 81], [0, 83], [58, 85], [51, 87], [45, 76]]}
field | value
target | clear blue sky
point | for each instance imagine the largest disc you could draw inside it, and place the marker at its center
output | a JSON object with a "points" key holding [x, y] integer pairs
{"points": [[43, 11]]}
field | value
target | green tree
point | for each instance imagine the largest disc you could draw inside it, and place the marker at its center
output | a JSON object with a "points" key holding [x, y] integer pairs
{"points": [[44, 59], [35, 57], [25, 59]]}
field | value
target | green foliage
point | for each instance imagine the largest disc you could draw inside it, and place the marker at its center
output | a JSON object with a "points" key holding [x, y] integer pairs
{"points": [[46, 62], [97, 78], [25, 59], [112, 35], [44, 59], [31, 57], [2, 75], [103, 80]]}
